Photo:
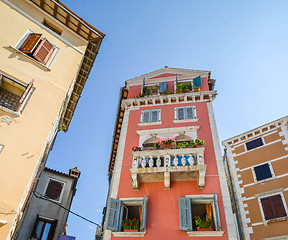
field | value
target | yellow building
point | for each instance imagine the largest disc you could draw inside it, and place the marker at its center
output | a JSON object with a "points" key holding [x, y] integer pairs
{"points": [[46, 55]]}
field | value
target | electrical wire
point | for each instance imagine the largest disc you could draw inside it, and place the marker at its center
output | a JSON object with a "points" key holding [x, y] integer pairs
{"points": [[59, 205]]}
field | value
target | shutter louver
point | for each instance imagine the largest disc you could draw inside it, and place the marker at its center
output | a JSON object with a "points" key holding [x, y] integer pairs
{"points": [[273, 207], [278, 206], [218, 227], [114, 214], [162, 87], [44, 51], [24, 94], [185, 214], [30, 43], [180, 113], [267, 208], [190, 113], [197, 82], [54, 190], [143, 214], [154, 117], [146, 115]]}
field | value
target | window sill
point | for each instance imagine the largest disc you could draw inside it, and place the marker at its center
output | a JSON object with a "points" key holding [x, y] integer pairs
{"points": [[275, 220], [7, 110], [32, 59], [150, 123], [205, 233], [186, 120], [128, 234]]}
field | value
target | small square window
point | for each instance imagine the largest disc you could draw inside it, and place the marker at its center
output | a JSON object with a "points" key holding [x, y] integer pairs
{"points": [[150, 116], [273, 207], [254, 143], [263, 172], [54, 190], [184, 113]]}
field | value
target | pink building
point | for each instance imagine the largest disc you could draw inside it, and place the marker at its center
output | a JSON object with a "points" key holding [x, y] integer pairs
{"points": [[168, 186]]}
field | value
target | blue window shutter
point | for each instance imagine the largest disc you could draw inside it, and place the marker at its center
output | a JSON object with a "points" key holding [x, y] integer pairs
{"points": [[162, 87], [114, 215], [185, 214], [258, 173], [254, 143], [143, 214], [266, 170], [218, 225], [197, 82]]}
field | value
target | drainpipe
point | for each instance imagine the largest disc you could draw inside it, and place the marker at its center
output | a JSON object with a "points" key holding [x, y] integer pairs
{"points": [[233, 197]]}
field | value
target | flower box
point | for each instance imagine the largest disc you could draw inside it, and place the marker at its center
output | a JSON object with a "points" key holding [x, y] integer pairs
{"points": [[131, 230], [205, 229]]}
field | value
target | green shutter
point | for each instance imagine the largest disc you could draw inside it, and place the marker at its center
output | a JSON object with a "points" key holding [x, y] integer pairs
{"points": [[218, 225], [113, 221], [143, 214], [162, 87], [197, 82], [185, 214]]}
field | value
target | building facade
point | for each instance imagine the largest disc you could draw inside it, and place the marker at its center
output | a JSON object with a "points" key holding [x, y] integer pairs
{"points": [[43, 217], [46, 55], [257, 169], [160, 190]]}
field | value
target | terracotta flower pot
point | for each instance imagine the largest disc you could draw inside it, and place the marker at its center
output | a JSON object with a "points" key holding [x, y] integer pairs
{"points": [[131, 230], [205, 229], [167, 145]]}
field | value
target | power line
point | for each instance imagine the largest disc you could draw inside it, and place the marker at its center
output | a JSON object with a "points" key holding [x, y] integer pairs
{"points": [[59, 205]]}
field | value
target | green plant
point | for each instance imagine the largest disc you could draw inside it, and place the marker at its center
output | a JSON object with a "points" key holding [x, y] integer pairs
{"points": [[163, 141], [167, 91], [131, 223], [199, 142], [63, 127], [202, 222]]}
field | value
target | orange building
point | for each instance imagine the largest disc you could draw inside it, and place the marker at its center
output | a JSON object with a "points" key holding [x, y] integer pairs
{"points": [[168, 185], [257, 164]]}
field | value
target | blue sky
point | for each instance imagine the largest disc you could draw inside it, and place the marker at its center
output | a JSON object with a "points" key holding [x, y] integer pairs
{"points": [[242, 43]]}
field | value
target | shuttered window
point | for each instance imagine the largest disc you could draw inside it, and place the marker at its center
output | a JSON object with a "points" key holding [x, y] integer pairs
{"points": [[185, 113], [150, 116], [118, 211], [185, 214], [37, 47], [262, 172], [54, 190], [162, 87], [254, 143], [273, 207], [43, 229], [197, 82]]}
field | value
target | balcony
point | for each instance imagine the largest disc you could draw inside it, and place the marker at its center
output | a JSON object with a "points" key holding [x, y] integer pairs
{"points": [[186, 164]]}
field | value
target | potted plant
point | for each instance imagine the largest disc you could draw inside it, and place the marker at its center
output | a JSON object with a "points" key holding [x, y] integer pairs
{"points": [[131, 225], [165, 143], [136, 149], [203, 224]]}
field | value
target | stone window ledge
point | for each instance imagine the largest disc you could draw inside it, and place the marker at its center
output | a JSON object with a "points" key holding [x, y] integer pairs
{"points": [[128, 234], [150, 123], [275, 220], [186, 120], [32, 59], [205, 233]]}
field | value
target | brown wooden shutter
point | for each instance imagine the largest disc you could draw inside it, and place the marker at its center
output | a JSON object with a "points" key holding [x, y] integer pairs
{"points": [[30, 42], [273, 207], [44, 51], [54, 190], [24, 94], [278, 206]]}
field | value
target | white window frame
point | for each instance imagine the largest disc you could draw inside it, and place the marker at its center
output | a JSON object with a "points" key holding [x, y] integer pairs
{"points": [[266, 179], [21, 41], [269, 194], [176, 120], [62, 191], [256, 147], [150, 117]]}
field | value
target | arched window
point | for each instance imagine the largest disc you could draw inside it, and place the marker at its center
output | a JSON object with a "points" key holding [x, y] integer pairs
{"points": [[150, 142], [183, 138]]}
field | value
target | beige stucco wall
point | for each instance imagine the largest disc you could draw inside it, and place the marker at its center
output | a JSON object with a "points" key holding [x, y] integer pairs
{"points": [[25, 137]]}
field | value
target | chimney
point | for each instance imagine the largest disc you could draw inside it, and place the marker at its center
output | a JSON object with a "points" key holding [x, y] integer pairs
{"points": [[74, 172]]}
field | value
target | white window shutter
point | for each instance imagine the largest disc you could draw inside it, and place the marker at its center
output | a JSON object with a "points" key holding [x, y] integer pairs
{"points": [[143, 214], [190, 113], [185, 214], [180, 113], [154, 116], [113, 221], [146, 115]]}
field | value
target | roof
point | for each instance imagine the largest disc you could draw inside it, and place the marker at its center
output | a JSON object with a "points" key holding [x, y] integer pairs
{"points": [[58, 172]]}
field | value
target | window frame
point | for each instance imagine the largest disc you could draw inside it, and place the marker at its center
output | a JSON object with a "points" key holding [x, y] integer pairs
{"points": [[62, 190], [205, 198], [273, 193], [263, 144], [52, 229], [150, 117], [42, 38], [194, 113], [24, 98], [264, 179], [116, 211]]}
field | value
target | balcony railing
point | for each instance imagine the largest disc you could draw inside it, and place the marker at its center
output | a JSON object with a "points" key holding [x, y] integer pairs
{"points": [[168, 165]]}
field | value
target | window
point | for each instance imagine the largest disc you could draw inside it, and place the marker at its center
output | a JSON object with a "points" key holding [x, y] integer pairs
{"points": [[150, 116], [44, 228], [187, 86], [273, 207], [155, 89], [254, 143], [262, 172], [128, 208], [37, 47], [54, 190], [13, 93], [203, 206], [184, 113]]}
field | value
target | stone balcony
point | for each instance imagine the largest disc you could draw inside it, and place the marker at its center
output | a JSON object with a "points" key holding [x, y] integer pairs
{"points": [[186, 164]]}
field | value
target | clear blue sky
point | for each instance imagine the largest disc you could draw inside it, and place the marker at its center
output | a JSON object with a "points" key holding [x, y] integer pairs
{"points": [[243, 43]]}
